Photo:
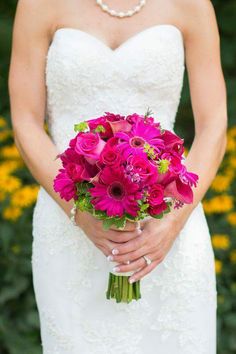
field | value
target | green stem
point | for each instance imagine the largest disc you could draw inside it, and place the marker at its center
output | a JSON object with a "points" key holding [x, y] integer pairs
{"points": [[121, 290], [124, 289], [130, 292], [108, 293]]}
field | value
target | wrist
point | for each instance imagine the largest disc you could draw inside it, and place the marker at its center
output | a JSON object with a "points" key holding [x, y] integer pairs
{"points": [[177, 218]]}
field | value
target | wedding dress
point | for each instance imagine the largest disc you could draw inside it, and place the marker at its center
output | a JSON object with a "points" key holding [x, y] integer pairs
{"points": [[177, 311]]}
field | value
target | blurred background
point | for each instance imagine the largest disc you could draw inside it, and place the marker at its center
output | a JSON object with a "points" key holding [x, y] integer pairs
{"points": [[19, 323]]}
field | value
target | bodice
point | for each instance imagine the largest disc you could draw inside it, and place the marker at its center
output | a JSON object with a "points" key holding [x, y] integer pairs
{"points": [[85, 77]]}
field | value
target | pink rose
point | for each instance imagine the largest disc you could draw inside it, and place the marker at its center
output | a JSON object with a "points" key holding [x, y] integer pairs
{"points": [[90, 145], [158, 209], [77, 172], [76, 166], [110, 156], [156, 195]]}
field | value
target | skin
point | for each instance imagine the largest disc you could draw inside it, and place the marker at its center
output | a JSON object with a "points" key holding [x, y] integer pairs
{"points": [[35, 22]]}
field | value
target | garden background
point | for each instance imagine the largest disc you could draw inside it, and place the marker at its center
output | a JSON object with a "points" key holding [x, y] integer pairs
{"points": [[19, 323]]}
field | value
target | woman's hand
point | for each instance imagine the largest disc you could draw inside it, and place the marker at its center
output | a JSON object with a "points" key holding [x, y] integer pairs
{"points": [[154, 241], [105, 240]]}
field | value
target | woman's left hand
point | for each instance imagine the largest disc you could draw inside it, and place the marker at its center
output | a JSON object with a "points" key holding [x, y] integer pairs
{"points": [[154, 242]]}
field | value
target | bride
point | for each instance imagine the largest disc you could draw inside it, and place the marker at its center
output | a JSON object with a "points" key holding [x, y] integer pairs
{"points": [[73, 60]]}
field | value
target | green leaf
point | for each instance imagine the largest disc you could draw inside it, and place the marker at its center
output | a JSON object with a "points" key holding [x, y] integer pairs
{"points": [[107, 223], [144, 207], [81, 127], [100, 129], [159, 216], [163, 166], [120, 222]]}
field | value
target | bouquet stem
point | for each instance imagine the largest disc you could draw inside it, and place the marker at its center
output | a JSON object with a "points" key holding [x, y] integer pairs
{"points": [[121, 290]]}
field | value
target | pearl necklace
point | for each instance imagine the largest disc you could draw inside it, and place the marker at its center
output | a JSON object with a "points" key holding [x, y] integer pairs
{"points": [[121, 14]]}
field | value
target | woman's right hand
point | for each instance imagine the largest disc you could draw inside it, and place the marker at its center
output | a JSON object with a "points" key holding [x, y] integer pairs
{"points": [[105, 240]]}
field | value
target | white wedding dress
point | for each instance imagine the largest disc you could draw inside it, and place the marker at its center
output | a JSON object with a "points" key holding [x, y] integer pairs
{"points": [[177, 311]]}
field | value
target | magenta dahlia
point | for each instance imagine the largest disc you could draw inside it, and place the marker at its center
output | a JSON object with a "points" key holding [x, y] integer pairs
{"points": [[115, 194]]}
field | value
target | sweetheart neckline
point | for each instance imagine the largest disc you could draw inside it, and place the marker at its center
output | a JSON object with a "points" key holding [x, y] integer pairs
{"points": [[124, 43]]}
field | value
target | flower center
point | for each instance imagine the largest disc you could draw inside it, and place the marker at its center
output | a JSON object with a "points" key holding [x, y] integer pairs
{"points": [[137, 141], [116, 190]]}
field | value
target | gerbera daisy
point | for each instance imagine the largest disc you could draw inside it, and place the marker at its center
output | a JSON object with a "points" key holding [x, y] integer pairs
{"points": [[115, 194], [140, 135]]}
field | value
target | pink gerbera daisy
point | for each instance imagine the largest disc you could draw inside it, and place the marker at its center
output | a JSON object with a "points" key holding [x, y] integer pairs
{"points": [[115, 194], [140, 134]]}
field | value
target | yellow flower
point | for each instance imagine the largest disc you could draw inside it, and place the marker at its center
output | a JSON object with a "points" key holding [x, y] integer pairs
{"points": [[233, 256], [231, 144], [8, 167], [9, 184], [220, 241], [221, 183], [25, 196], [3, 122], [10, 152], [231, 218], [219, 204], [12, 213], [232, 132], [218, 266], [5, 134], [232, 161]]}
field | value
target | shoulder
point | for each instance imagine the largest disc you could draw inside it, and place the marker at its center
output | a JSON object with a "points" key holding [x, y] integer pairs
{"points": [[37, 16], [197, 18], [33, 7], [193, 7]]}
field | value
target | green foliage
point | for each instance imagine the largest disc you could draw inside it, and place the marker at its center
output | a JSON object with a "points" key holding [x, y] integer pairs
{"points": [[81, 127], [19, 322]]}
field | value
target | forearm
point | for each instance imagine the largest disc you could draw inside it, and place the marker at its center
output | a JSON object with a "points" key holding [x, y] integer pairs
{"points": [[39, 153], [204, 158]]}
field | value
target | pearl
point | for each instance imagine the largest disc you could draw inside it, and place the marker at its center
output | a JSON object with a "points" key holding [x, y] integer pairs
{"points": [[121, 14], [104, 7], [113, 12], [137, 8], [130, 13]]}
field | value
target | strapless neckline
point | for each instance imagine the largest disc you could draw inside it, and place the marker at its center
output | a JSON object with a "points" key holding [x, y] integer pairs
{"points": [[125, 43]]}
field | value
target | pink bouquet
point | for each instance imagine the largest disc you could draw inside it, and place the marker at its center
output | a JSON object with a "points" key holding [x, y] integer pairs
{"points": [[123, 168]]}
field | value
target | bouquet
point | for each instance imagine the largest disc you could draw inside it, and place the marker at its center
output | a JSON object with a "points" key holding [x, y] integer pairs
{"points": [[124, 168]]}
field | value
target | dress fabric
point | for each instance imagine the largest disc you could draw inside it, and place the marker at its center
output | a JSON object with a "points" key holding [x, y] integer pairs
{"points": [[177, 311]]}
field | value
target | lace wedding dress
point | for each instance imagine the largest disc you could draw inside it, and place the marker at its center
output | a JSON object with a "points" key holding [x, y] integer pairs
{"points": [[177, 311]]}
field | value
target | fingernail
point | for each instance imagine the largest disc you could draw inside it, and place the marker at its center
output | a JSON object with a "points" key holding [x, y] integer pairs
{"points": [[131, 280], [109, 258], [114, 251], [116, 269], [139, 231], [127, 262]]}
